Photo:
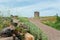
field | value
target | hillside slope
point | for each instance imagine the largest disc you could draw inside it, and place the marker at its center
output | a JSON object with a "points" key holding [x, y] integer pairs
{"points": [[52, 33]]}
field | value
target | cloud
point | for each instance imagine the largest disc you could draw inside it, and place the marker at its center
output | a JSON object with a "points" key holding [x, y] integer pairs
{"points": [[22, 3], [45, 7], [1, 1], [21, 0], [18, 3]]}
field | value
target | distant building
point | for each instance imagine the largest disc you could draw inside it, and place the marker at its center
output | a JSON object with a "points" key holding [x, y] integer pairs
{"points": [[36, 14]]}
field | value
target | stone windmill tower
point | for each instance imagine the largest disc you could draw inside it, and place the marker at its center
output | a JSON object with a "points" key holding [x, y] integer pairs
{"points": [[36, 14]]}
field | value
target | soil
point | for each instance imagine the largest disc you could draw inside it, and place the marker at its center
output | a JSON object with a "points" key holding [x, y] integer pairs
{"points": [[52, 33]]}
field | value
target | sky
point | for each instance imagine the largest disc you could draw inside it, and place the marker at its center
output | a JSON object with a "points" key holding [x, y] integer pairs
{"points": [[27, 8]]}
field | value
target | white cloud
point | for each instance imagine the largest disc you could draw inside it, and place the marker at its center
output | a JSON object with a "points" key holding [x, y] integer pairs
{"points": [[22, 0], [1, 1], [29, 10]]}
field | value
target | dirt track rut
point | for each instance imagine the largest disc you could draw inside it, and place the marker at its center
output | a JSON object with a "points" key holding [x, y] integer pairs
{"points": [[52, 33]]}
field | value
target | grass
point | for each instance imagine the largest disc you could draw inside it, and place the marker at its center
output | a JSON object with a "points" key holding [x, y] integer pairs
{"points": [[53, 21], [34, 30], [52, 24]]}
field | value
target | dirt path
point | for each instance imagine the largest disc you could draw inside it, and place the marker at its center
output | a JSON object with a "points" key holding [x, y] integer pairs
{"points": [[52, 33]]}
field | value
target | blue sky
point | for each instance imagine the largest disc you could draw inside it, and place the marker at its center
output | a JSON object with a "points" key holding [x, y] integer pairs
{"points": [[27, 7]]}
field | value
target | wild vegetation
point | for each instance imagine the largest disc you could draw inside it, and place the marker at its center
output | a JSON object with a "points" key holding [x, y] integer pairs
{"points": [[34, 30], [55, 23]]}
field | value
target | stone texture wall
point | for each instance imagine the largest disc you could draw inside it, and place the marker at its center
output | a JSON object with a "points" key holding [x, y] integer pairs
{"points": [[36, 14]]}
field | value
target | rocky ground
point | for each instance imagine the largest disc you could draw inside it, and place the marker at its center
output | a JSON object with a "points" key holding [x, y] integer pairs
{"points": [[7, 38]]}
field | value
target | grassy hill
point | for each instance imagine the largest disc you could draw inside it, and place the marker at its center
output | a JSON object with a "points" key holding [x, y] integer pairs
{"points": [[34, 30], [53, 21]]}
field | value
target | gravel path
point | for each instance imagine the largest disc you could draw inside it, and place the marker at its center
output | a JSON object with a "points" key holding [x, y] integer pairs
{"points": [[52, 33]]}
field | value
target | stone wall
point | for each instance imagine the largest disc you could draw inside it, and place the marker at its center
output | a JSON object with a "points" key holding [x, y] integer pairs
{"points": [[36, 14]]}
